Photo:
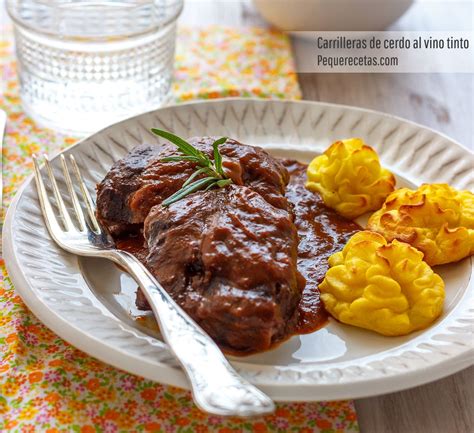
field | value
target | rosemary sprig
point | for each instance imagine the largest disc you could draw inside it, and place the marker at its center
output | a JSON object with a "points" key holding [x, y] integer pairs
{"points": [[215, 175]]}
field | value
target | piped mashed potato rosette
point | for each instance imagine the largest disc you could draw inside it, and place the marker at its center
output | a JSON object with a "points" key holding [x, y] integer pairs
{"points": [[436, 219], [385, 287], [350, 179]]}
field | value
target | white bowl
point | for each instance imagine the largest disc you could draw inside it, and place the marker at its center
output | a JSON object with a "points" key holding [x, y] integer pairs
{"points": [[330, 15]]}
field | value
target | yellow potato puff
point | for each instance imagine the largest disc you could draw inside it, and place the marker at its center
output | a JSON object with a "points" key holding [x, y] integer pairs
{"points": [[385, 287], [350, 179], [436, 219]]}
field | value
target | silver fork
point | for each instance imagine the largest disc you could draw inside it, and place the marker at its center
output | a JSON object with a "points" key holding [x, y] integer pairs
{"points": [[216, 386]]}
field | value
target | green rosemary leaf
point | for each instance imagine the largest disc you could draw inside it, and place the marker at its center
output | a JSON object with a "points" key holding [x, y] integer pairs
{"points": [[180, 158], [193, 187], [218, 156], [212, 185], [223, 182], [213, 169], [183, 145], [202, 170]]}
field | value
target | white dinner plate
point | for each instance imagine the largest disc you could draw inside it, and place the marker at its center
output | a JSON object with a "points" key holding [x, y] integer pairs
{"points": [[90, 302]]}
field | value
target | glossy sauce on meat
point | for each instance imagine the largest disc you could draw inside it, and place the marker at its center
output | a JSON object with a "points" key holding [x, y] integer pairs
{"points": [[134, 244], [321, 232], [229, 258]]}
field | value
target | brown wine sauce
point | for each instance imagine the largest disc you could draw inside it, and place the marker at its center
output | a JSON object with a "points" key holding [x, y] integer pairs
{"points": [[321, 232]]}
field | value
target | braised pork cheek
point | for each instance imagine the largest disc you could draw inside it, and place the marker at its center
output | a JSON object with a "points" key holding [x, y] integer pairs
{"points": [[244, 261], [228, 258], [142, 180]]}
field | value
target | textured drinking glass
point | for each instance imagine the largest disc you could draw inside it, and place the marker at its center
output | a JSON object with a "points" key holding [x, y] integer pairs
{"points": [[85, 64]]}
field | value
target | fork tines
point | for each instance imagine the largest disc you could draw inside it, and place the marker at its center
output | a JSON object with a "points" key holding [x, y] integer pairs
{"points": [[83, 221]]}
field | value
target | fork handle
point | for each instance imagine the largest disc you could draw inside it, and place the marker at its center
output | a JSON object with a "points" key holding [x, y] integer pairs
{"points": [[217, 388]]}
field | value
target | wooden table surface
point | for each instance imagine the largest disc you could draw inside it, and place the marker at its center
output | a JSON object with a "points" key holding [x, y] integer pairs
{"points": [[441, 101]]}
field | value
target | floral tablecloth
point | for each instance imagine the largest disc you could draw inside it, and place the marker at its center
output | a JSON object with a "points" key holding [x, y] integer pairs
{"points": [[48, 386]]}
